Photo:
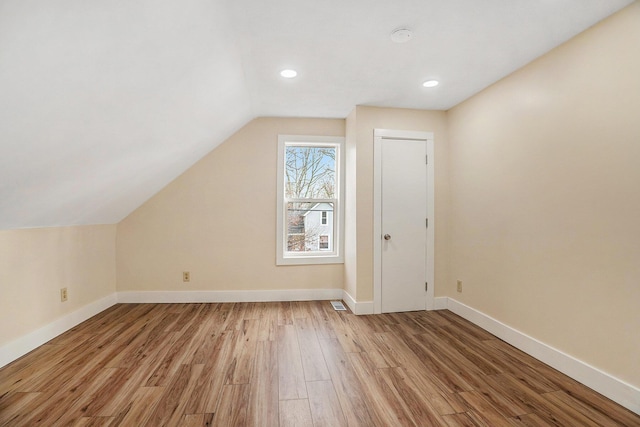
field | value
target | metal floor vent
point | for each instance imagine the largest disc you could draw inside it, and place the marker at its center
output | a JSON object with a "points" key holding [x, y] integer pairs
{"points": [[338, 306]]}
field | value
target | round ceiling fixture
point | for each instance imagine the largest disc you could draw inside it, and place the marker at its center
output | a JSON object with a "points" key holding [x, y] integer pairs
{"points": [[431, 83], [288, 74], [401, 35]]}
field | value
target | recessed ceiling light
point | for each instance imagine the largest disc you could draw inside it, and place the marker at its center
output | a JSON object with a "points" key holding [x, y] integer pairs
{"points": [[401, 35], [431, 83], [289, 74]]}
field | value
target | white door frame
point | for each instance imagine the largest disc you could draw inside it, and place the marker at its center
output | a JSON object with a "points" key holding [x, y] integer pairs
{"points": [[378, 136]]}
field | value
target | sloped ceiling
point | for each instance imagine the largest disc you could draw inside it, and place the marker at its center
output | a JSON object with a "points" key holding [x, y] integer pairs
{"points": [[103, 103]]}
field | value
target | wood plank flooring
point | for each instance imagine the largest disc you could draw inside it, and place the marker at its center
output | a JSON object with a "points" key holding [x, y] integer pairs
{"points": [[289, 364]]}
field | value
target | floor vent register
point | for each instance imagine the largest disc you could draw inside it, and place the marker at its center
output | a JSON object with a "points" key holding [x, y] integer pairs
{"points": [[338, 306]]}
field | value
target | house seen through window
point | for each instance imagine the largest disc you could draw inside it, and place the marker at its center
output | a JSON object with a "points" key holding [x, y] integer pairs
{"points": [[309, 200]]}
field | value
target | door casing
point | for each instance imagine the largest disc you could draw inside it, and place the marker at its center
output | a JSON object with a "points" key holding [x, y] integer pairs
{"points": [[378, 136]]}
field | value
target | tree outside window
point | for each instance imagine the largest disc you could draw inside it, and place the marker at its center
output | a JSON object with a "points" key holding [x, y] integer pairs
{"points": [[310, 180]]}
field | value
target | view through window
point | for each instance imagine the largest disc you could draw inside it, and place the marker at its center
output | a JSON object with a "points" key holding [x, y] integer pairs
{"points": [[310, 201]]}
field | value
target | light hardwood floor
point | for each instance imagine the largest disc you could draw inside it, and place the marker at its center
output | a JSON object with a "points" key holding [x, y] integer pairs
{"points": [[289, 364]]}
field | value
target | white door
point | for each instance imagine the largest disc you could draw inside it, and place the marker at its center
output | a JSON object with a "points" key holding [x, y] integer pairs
{"points": [[403, 201]]}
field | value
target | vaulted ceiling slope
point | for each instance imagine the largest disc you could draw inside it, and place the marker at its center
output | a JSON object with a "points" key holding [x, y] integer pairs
{"points": [[103, 103]]}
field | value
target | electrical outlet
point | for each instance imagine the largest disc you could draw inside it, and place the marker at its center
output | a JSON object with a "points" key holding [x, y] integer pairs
{"points": [[186, 276], [459, 286], [63, 294]]}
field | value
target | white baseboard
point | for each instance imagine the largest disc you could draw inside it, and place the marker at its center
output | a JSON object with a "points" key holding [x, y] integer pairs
{"points": [[362, 307], [23, 345], [366, 307], [229, 296], [440, 303], [615, 389]]}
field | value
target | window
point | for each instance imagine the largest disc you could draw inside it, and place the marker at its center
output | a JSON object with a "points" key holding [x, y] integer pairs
{"points": [[309, 228]]}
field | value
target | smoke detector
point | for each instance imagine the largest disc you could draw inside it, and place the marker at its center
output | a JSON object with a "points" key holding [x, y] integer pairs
{"points": [[401, 35]]}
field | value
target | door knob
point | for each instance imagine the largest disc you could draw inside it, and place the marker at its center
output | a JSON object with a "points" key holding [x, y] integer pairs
{"points": [[387, 237]]}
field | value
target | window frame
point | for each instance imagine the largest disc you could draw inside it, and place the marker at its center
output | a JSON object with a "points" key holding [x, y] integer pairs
{"points": [[335, 256], [323, 218]]}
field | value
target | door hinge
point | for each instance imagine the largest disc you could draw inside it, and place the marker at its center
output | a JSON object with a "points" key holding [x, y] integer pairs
{"points": [[426, 286], [426, 220]]}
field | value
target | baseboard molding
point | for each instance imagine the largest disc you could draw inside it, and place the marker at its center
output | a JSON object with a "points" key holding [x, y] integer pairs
{"points": [[229, 296], [363, 307], [615, 389], [23, 345], [366, 307], [440, 303]]}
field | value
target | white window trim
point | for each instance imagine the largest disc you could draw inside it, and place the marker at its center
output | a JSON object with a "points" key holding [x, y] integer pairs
{"points": [[336, 256]]}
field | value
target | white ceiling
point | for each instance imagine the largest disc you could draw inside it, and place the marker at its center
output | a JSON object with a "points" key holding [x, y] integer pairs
{"points": [[103, 103]]}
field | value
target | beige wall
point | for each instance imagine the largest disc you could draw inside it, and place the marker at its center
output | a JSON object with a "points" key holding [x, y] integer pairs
{"points": [[36, 263], [218, 221], [545, 210], [350, 226], [365, 120]]}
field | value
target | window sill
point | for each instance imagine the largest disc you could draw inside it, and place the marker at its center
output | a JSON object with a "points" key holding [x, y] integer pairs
{"points": [[310, 260]]}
